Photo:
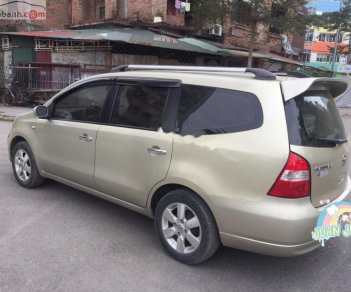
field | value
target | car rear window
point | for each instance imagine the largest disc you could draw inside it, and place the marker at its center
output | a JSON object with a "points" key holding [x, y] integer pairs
{"points": [[313, 120], [209, 110]]}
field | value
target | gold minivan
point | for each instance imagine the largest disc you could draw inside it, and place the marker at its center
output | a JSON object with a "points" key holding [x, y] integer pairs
{"points": [[232, 156]]}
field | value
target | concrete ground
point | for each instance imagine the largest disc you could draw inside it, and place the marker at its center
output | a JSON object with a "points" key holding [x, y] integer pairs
{"points": [[8, 113], [56, 238]]}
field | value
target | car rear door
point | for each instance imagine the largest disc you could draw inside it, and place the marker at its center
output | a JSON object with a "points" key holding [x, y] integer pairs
{"points": [[133, 152], [317, 133]]}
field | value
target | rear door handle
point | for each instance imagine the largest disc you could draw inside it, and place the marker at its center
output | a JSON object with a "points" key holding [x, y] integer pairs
{"points": [[156, 150], [85, 138]]}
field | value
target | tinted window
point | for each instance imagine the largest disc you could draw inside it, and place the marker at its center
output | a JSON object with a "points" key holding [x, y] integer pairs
{"points": [[207, 110], [84, 104], [140, 106], [313, 119]]}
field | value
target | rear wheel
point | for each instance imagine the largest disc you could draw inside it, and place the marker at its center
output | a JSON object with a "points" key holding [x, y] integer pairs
{"points": [[186, 227], [7, 99], [24, 166]]}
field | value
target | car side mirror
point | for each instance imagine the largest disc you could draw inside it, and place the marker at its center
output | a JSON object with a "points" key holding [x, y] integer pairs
{"points": [[41, 111]]}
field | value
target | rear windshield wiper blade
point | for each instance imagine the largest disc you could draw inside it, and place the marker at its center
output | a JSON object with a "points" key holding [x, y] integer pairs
{"points": [[334, 141]]}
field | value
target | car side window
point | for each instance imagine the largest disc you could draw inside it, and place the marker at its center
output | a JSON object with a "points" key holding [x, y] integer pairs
{"points": [[210, 110], [84, 104], [140, 106]]}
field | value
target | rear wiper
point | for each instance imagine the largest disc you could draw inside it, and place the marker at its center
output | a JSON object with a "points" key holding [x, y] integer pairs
{"points": [[334, 141]]}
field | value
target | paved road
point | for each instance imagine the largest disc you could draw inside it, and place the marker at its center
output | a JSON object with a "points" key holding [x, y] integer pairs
{"points": [[56, 238]]}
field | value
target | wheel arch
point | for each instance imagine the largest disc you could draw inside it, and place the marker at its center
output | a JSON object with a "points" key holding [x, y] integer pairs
{"points": [[19, 137], [16, 140], [161, 190]]}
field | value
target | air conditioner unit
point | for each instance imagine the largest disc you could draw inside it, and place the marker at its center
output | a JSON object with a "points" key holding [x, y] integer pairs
{"points": [[216, 29], [5, 43]]}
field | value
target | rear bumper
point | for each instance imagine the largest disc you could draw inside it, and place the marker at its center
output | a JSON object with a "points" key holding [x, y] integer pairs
{"points": [[268, 248], [274, 226]]}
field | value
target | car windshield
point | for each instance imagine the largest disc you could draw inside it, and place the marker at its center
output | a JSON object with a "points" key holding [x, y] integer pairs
{"points": [[314, 120]]}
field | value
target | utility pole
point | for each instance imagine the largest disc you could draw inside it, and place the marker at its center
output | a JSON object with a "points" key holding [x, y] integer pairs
{"points": [[336, 43]]}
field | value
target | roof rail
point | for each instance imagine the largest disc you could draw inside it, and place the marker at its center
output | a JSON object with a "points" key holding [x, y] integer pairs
{"points": [[260, 74], [290, 74]]}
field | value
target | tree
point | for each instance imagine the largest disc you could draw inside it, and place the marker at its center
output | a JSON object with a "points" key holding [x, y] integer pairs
{"points": [[209, 12], [282, 16], [337, 20]]}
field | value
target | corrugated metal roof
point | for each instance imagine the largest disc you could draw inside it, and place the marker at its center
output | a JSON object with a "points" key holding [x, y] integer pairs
{"points": [[216, 49], [91, 34], [149, 38], [202, 44], [281, 59], [270, 56], [128, 35]]}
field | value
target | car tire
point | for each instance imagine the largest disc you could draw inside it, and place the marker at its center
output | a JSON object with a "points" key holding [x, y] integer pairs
{"points": [[24, 166], [186, 227]]}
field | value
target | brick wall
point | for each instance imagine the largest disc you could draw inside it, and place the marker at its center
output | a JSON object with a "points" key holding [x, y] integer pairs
{"points": [[178, 19], [140, 9], [144, 10], [58, 17], [110, 9], [264, 41], [159, 5], [77, 13]]}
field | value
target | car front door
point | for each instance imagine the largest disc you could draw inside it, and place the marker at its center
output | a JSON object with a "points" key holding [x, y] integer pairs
{"points": [[67, 139], [133, 153]]}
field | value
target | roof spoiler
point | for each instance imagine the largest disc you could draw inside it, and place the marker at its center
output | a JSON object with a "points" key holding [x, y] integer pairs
{"points": [[293, 88], [260, 74]]}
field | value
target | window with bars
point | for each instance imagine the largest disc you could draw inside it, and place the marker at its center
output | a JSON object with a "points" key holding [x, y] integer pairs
{"points": [[329, 37], [324, 58], [328, 58]]}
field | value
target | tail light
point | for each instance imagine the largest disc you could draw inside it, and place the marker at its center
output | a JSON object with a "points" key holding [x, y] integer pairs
{"points": [[295, 179]]}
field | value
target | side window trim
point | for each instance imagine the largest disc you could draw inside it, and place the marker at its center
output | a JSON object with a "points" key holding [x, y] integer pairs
{"points": [[171, 105], [107, 82], [154, 82], [231, 96]]}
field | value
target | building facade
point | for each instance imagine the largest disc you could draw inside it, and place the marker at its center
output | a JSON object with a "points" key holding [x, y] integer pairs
{"points": [[106, 33], [320, 43], [319, 50]]}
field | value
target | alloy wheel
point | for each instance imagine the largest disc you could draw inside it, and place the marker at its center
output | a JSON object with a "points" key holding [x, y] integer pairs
{"points": [[23, 165], [181, 228]]}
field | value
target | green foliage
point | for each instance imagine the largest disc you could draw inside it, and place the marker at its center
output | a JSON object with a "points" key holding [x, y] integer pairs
{"points": [[335, 20], [205, 11], [283, 15], [289, 16]]}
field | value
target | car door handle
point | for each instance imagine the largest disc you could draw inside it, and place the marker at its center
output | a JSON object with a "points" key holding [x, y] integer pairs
{"points": [[85, 138], [156, 150]]}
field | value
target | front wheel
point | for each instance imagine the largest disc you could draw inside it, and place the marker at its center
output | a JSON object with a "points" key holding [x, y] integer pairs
{"points": [[186, 227], [24, 166]]}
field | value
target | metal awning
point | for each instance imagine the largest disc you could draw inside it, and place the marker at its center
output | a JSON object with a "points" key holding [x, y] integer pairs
{"points": [[149, 38], [269, 56], [127, 35]]}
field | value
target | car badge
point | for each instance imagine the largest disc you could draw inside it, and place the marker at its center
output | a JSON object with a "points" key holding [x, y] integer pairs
{"points": [[322, 171], [344, 160]]}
